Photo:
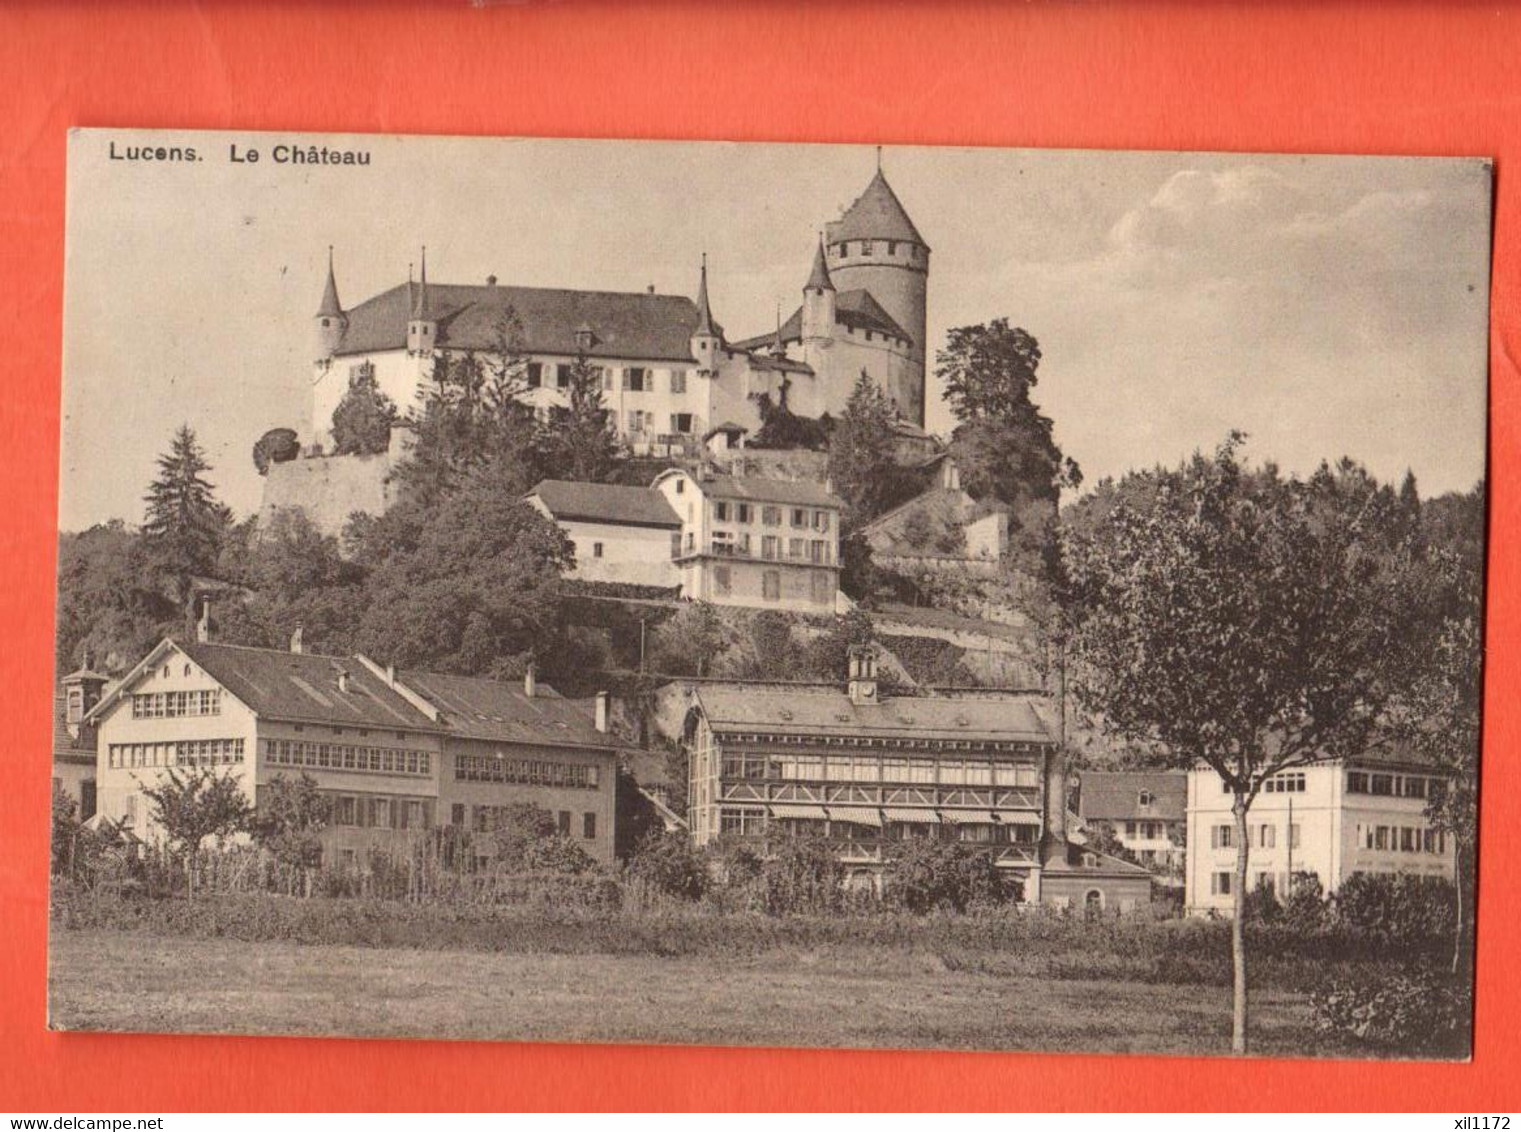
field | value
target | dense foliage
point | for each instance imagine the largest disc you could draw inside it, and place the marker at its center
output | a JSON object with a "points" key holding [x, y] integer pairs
{"points": [[363, 419]]}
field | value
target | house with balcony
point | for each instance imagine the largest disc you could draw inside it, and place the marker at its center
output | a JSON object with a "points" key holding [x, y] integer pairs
{"points": [[1333, 819], [752, 541]]}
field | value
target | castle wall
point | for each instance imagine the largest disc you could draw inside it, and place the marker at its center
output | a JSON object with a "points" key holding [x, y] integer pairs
{"points": [[329, 488], [398, 375], [840, 360], [899, 280]]}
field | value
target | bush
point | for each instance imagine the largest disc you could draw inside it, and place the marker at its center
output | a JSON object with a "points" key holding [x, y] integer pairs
{"points": [[1415, 1012], [801, 874], [1398, 907], [669, 865], [930, 875]]}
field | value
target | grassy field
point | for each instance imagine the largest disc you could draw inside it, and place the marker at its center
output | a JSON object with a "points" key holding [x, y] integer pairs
{"points": [[837, 996]]}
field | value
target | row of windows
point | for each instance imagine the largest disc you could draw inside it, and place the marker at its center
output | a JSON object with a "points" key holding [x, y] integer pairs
{"points": [[875, 768], [381, 811], [1263, 836], [821, 586], [1401, 838], [185, 752], [528, 772], [752, 822], [167, 705], [342, 756], [771, 514], [1392, 785], [633, 379], [905, 717], [1145, 830], [487, 819], [725, 544], [643, 420], [869, 247], [1289, 783]]}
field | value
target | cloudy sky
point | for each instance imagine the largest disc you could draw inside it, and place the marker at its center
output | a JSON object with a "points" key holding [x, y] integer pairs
{"points": [[1328, 306]]}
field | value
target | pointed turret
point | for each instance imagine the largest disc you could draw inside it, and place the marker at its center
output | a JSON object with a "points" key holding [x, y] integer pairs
{"points": [[708, 336], [819, 301], [422, 330], [331, 321], [818, 278]]}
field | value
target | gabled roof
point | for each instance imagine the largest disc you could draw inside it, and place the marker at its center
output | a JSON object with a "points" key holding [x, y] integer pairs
{"points": [[501, 712], [1104, 865], [761, 489], [827, 710], [1115, 795], [299, 687], [606, 503], [877, 214], [638, 326], [857, 309]]}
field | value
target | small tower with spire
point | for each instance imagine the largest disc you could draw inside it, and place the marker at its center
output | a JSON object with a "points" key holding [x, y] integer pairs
{"points": [[422, 327], [708, 336], [819, 311], [332, 322]]}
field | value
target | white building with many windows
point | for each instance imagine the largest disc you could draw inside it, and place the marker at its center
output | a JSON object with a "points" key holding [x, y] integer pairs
{"points": [[766, 543], [1332, 819]]}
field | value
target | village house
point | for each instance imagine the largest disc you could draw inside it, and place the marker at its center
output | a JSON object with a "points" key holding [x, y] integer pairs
{"points": [[1144, 810], [942, 528], [868, 771], [620, 534], [745, 540], [1332, 819], [396, 753]]}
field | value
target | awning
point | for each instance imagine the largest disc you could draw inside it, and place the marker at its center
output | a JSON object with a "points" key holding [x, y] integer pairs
{"points": [[860, 815], [1017, 817], [896, 814], [815, 813], [966, 817]]}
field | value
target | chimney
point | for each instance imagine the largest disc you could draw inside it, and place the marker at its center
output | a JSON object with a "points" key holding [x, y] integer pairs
{"points": [[531, 680], [601, 718], [652, 289], [343, 680], [295, 639], [203, 626], [491, 280]]}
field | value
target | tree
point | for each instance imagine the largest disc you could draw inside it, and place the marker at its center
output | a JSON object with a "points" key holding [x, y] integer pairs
{"points": [[470, 585], [113, 600], [195, 805], [1003, 445], [276, 446], [863, 468], [363, 420], [926, 875], [292, 815], [782, 428], [578, 441], [689, 643], [65, 813], [668, 864], [526, 839], [184, 522], [1243, 621]]}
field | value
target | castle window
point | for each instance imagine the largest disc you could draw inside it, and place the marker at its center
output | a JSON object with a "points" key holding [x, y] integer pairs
{"points": [[324, 322], [562, 375], [892, 247], [681, 423], [596, 550], [744, 512], [866, 247], [840, 250], [678, 381], [636, 379], [535, 374]]}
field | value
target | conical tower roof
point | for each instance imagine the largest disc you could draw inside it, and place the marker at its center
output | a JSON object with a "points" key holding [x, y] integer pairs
{"points": [[705, 322], [877, 214], [331, 307], [421, 311], [818, 278]]}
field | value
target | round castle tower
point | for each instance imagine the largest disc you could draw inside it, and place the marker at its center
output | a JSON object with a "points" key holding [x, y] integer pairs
{"points": [[875, 247]]}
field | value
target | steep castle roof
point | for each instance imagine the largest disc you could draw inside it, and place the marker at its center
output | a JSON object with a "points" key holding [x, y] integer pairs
{"points": [[855, 309], [877, 214], [330, 307], [705, 321], [818, 278], [638, 326]]}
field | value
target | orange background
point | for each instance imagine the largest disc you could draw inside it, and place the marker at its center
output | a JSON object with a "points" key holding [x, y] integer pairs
{"points": [[1367, 78]]}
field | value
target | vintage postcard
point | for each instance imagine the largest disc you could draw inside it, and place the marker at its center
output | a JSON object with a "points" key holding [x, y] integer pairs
{"points": [[770, 594]]}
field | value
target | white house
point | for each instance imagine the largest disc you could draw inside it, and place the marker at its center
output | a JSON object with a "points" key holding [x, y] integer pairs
{"points": [[621, 534], [745, 540], [1332, 819]]}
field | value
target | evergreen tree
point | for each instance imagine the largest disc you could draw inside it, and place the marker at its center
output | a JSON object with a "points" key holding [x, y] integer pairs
{"points": [[578, 442], [862, 468], [184, 523], [363, 419]]}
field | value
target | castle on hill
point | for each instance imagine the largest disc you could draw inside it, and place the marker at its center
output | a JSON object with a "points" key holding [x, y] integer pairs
{"points": [[671, 378]]}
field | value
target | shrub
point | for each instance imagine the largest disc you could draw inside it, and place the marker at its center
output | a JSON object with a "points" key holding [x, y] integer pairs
{"points": [[1413, 1012], [800, 874], [669, 865], [1397, 907], [930, 875]]}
